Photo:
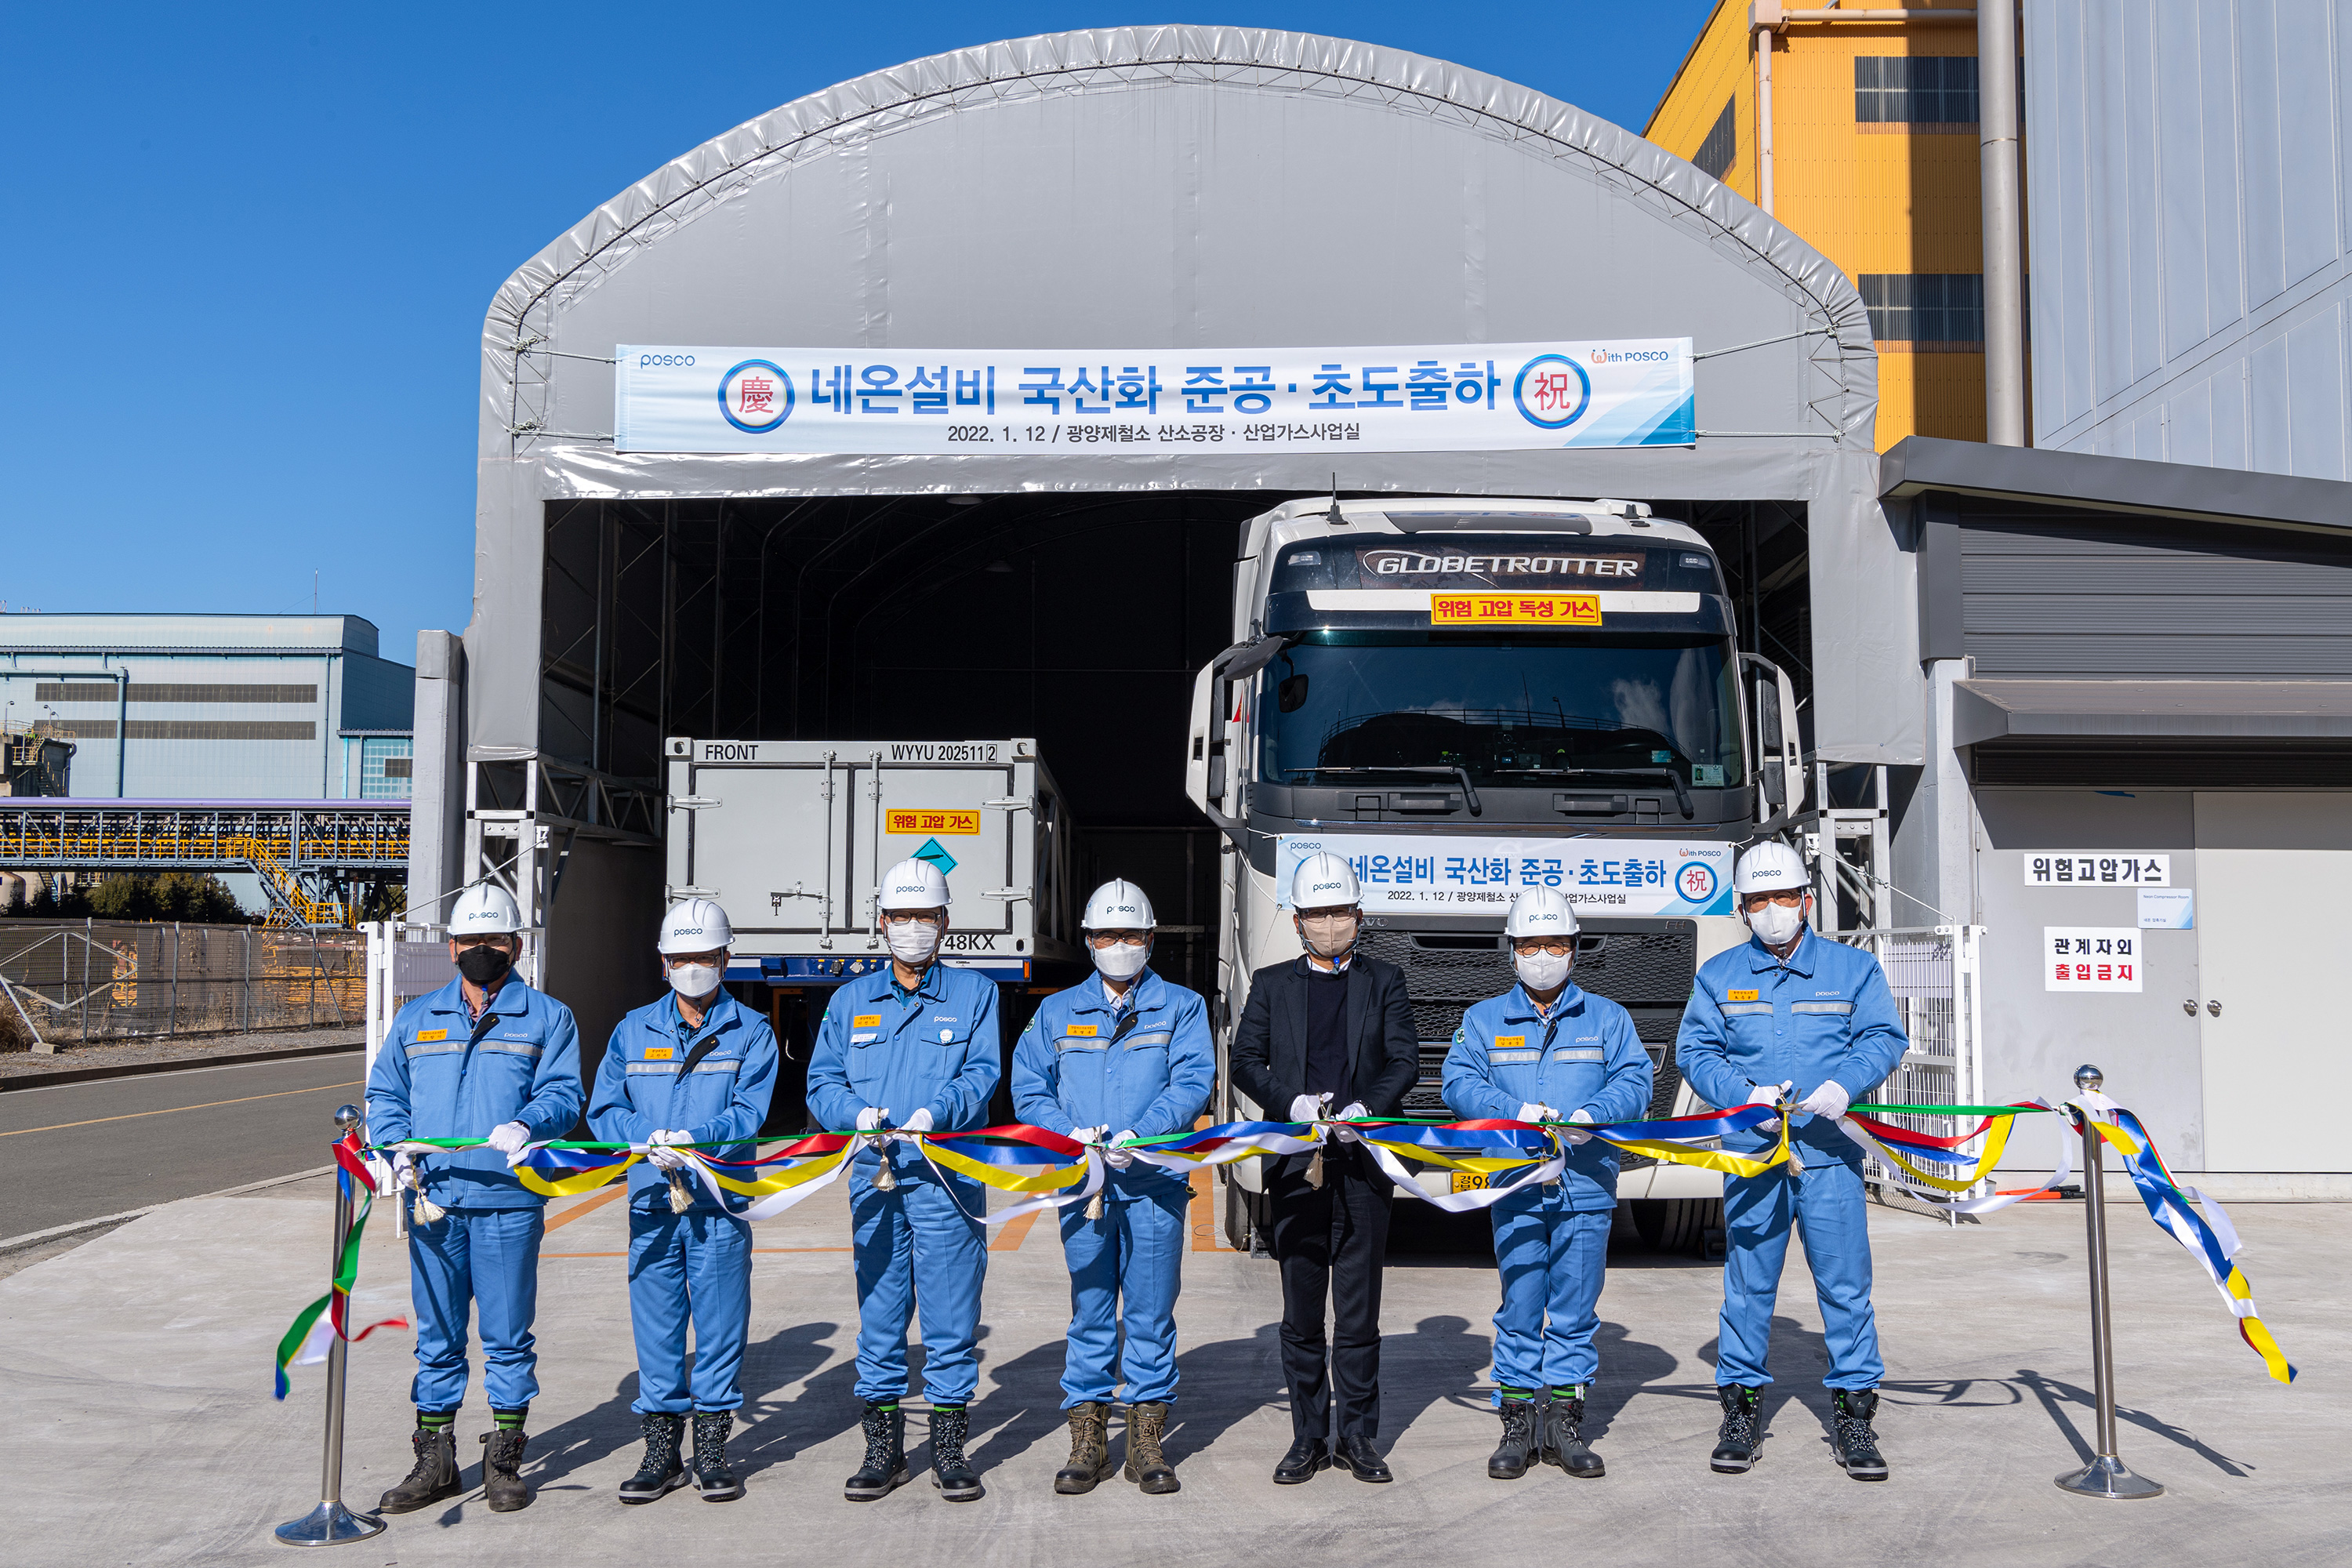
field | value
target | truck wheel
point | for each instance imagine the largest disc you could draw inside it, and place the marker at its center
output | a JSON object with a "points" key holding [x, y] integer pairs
{"points": [[1677, 1225]]}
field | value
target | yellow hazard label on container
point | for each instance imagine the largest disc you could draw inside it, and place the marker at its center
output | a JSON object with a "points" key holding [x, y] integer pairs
{"points": [[659, 1053], [424, 1035], [925, 820], [1740, 995], [1514, 610], [1082, 1031], [867, 1021]]}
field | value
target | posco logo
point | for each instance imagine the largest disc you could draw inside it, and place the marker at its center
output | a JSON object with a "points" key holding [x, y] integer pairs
{"points": [[666, 362], [1551, 391], [756, 397]]}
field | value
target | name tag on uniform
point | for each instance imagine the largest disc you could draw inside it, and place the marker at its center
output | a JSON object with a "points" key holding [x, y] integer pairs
{"points": [[1740, 995], [424, 1035], [659, 1054], [867, 1021], [1082, 1031], [1504, 1042]]}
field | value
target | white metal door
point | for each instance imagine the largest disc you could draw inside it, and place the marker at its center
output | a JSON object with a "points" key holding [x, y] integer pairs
{"points": [[902, 809], [2271, 874], [772, 848]]}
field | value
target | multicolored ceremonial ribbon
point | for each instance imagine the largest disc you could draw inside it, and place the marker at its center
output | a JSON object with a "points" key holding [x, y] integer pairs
{"points": [[316, 1326], [1899, 1147]]}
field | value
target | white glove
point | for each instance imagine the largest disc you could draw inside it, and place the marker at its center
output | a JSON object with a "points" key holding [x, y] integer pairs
{"points": [[665, 1158], [1578, 1114], [404, 1170], [1831, 1101], [1355, 1111], [508, 1138], [1532, 1112], [1120, 1159], [1088, 1135], [869, 1118], [921, 1121], [1307, 1107], [1769, 1093]]}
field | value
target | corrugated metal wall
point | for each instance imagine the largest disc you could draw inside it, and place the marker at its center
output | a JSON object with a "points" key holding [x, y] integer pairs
{"points": [[2190, 236], [2057, 596]]}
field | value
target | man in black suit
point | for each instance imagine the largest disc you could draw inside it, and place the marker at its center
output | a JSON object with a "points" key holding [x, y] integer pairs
{"points": [[1331, 1028]]}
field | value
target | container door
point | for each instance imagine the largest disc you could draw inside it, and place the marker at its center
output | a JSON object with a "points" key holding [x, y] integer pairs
{"points": [[909, 810], [774, 851]]}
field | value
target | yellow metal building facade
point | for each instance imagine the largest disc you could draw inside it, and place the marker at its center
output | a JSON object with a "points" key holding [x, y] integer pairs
{"points": [[1889, 195]]}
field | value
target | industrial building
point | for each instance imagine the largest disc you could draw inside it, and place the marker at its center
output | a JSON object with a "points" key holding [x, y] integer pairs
{"points": [[2010, 660], [215, 708]]}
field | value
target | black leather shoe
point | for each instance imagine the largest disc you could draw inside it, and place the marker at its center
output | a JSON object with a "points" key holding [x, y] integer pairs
{"points": [[1359, 1456], [1306, 1457]]}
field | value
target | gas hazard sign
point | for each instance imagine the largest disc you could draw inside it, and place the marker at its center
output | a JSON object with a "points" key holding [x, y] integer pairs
{"points": [[927, 821]]}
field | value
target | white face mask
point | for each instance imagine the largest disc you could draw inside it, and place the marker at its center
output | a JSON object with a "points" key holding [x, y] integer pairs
{"points": [[913, 942], [1122, 960], [692, 980], [1776, 923], [1542, 971]]}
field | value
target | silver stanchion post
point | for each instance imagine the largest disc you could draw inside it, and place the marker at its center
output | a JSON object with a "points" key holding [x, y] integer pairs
{"points": [[2106, 1476], [331, 1523]]}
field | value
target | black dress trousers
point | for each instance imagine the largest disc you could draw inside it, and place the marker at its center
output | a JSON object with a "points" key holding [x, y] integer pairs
{"points": [[1331, 1240]]}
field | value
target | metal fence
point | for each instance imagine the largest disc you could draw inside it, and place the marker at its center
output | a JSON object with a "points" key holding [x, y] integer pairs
{"points": [[403, 963], [71, 982], [1938, 979]]}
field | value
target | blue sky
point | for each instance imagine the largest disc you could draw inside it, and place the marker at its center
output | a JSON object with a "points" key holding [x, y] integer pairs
{"points": [[249, 251]]}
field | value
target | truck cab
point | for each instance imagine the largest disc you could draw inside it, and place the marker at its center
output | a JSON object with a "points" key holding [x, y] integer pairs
{"points": [[1464, 697]]}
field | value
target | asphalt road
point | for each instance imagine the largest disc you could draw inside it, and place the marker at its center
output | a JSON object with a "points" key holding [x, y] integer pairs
{"points": [[83, 1150]]}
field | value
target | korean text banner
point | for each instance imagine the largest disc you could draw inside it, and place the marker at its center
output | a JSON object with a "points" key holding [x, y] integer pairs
{"points": [[1482, 397], [1404, 873]]}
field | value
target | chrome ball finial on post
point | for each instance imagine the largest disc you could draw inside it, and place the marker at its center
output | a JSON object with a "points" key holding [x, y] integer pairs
{"points": [[348, 1117], [2088, 1078]]}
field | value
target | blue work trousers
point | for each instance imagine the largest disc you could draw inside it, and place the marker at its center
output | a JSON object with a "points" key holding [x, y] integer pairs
{"points": [[1553, 1259], [1125, 1269], [1827, 1208], [914, 1246], [695, 1265], [489, 1259]]}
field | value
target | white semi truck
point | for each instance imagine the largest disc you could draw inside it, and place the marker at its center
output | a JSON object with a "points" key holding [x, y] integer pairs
{"points": [[1462, 698]]}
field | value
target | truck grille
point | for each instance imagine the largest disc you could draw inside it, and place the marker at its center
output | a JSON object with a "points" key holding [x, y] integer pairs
{"points": [[1647, 973]]}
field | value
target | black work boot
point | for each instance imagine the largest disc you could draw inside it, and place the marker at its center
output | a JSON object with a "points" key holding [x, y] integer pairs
{"points": [[502, 1485], [1856, 1446], [950, 1471], [886, 1454], [1563, 1438], [1510, 1460], [661, 1474], [719, 1483], [1089, 1449], [435, 1476], [1742, 1437], [1147, 1467]]}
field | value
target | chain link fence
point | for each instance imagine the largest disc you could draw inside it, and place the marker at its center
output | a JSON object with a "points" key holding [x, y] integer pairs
{"points": [[73, 982]]}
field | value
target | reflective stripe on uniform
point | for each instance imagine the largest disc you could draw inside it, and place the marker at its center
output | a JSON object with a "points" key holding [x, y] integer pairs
{"points": [[1745, 1009], [1818, 1008]]}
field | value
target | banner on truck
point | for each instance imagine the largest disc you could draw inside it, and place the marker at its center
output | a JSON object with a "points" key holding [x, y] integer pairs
{"points": [[1417, 874], [1457, 397]]}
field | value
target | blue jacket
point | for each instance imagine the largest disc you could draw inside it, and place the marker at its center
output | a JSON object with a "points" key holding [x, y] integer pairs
{"points": [[1825, 1013], [1148, 1068], [430, 1082], [722, 1100], [1585, 1056], [935, 1049]]}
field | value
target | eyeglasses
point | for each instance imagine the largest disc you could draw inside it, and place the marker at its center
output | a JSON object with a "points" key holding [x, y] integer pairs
{"points": [[1109, 939], [681, 959], [497, 940], [914, 917], [1787, 898], [1558, 946]]}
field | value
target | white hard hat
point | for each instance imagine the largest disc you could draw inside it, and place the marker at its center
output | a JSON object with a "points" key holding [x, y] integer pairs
{"points": [[1769, 867], [1119, 906], [1540, 911], [914, 885], [1323, 881], [485, 909], [695, 925]]}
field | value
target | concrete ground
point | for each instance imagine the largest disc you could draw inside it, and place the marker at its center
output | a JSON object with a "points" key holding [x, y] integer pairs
{"points": [[136, 1374]]}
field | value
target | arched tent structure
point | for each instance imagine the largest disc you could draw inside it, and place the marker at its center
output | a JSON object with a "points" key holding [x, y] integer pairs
{"points": [[1167, 186]]}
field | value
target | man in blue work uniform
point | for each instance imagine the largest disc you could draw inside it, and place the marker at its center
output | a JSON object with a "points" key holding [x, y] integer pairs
{"points": [[1548, 1051], [484, 1057], [1791, 1009], [912, 1048], [696, 1068], [1123, 1049]]}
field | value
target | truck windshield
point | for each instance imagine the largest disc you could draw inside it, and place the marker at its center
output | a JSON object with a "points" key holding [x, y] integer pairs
{"points": [[1512, 709]]}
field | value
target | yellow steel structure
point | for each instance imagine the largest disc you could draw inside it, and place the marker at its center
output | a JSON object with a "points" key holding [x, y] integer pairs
{"points": [[1872, 197]]}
